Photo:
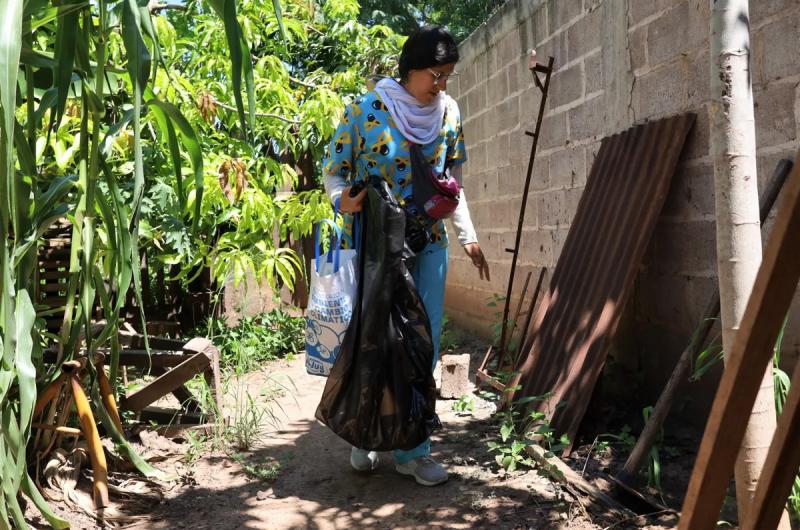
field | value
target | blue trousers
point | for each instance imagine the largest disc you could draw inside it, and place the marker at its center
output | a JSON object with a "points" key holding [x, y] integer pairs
{"points": [[430, 275]]}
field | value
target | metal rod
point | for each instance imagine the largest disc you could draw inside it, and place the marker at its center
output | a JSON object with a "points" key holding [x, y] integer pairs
{"points": [[542, 104], [529, 316], [519, 308]]}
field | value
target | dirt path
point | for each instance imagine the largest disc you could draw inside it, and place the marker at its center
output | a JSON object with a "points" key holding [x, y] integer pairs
{"points": [[297, 476], [316, 488]]}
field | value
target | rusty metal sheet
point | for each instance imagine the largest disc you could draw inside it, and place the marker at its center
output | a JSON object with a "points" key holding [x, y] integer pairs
{"points": [[569, 338]]}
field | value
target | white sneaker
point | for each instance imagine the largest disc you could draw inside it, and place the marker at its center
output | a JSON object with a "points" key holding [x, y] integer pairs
{"points": [[425, 470], [363, 460]]}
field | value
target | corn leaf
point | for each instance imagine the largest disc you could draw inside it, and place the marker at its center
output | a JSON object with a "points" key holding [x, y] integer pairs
{"points": [[192, 144]]}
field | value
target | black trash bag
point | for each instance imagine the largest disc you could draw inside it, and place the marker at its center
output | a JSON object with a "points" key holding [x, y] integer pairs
{"points": [[380, 394]]}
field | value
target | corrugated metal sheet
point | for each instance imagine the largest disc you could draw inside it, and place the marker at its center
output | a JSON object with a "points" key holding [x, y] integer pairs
{"points": [[569, 338]]}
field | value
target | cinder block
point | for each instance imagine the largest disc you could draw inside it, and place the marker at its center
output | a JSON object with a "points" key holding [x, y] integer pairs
{"points": [[554, 131], [588, 119], [638, 48], [566, 166], [776, 53], [775, 120], [562, 12], [661, 92], [586, 35], [567, 86], [593, 68], [668, 35]]}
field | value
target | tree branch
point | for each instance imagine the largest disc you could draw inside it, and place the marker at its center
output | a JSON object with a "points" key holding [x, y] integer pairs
{"points": [[154, 6], [259, 114], [302, 83]]}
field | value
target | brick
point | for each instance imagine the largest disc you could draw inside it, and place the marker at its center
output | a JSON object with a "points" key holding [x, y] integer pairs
{"points": [[554, 209], [595, 75], [540, 176], [531, 219], [775, 51], [639, 10], [561, 12], [498, 87], [572, 198], [691, 194], [532, 31], [496, 184], [476, 159], [509, 48], [586, 35], [500, 151], [685, 248], [588, 120], [507, 114], [476, 100], [555, 47], [455, 376], [762, 10], [559, 238], [554, 131], [518, 147], [660, 92], [565, 165], [698, 143], [668, 35], [774, 113], [566, 86], [638, 47], [697, 89], [536, 246]]}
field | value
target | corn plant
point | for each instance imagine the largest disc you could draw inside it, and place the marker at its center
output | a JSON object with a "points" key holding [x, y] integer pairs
{"points": [[61, 65]]}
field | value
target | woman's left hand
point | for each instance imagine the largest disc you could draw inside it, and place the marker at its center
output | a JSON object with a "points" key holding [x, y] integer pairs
{"points": [[475, 253]]}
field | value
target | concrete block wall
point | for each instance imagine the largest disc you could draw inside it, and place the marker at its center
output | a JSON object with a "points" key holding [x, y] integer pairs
{"points": [[617, 63]]}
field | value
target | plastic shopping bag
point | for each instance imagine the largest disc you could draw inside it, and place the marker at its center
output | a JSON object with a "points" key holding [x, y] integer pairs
{"points": [[330, 305], [380, 394]]}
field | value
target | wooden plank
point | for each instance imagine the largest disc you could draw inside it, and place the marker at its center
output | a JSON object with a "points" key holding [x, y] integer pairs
{"points": [[561, 472], [751, 352], [168, 382], [780, 467], [138, 358], [165, 416]]}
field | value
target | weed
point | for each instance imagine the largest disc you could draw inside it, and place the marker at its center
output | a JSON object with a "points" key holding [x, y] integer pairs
{"points": [[464, 405], [781, 382], [256, 339], [449, 340], [518, 430], [267, 471], [197, 446]]}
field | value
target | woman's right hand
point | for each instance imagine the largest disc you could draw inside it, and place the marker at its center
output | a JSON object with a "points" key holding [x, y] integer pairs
{"points": [[348, 204]]}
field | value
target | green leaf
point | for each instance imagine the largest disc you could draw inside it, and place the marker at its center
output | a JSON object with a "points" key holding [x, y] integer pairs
{"points": [[66, 37], [192, 144], [505, 431]]}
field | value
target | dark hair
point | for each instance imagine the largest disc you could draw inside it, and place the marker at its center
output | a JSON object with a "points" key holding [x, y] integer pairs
{"points": [[428, 46]]}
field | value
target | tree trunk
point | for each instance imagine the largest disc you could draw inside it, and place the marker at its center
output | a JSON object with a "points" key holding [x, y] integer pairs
{"points": [[733, 149]]}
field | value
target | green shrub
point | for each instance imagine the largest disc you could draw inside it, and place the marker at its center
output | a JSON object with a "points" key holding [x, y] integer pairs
{"points": [[255, 340]]}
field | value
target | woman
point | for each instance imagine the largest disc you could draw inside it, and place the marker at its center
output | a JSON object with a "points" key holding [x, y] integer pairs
{"points": [[373, 139]]}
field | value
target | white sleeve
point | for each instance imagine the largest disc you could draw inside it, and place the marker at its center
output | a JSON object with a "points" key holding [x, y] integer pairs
{"points": [[334, 184], [461, 219]]}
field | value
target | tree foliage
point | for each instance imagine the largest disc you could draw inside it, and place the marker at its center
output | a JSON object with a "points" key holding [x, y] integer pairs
{"points": [[175, 131], [461, 18]]}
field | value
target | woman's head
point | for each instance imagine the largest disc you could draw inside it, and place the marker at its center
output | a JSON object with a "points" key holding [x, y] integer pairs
{"points": [[427, 61]]}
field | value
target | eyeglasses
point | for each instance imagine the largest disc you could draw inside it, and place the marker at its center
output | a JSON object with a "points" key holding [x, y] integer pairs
{"points": [[440, 76]]}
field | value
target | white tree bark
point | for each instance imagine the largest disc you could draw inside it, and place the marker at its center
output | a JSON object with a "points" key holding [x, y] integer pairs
{"points": [[733, 149]]}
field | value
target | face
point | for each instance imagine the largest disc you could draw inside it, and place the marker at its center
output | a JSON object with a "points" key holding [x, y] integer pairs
{"points": [[425, 83]]}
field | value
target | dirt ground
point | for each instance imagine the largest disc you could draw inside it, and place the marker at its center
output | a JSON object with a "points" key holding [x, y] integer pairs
{"points": [[306, 481]]}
